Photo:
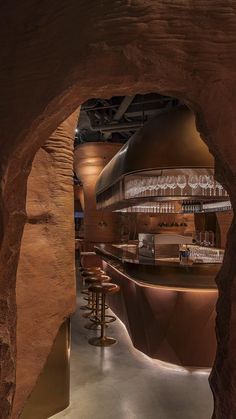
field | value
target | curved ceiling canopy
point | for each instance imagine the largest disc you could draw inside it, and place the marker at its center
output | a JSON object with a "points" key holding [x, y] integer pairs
{"points": [[170, 140]]}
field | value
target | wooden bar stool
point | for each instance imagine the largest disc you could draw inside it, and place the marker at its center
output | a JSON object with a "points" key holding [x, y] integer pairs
{"points": [[103, 290]]}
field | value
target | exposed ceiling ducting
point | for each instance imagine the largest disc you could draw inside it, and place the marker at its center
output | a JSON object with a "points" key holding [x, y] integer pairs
{"points": [[118, 118]]}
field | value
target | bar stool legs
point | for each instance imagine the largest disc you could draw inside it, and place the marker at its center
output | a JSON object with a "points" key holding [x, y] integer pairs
{"points": [[98, 287], [90, 306], [102, 340], [94, 319], [85, 273]]}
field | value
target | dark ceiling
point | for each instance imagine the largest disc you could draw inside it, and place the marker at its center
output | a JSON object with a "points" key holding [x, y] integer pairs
{"points": [[116, 119]]}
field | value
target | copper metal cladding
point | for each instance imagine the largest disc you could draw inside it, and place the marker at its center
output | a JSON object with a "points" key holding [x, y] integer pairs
{"points": [[169, 141], [51, 393], [174, 326]]}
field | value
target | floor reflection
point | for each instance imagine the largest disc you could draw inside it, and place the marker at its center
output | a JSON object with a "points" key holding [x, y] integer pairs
{"points": [[121, 383]]}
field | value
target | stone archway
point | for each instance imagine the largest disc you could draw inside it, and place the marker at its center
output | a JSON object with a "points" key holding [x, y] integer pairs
{"points": [[54, 57]]}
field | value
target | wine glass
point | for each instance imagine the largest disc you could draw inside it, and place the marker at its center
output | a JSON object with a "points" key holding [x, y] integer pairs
{"points": [[164, 184], [156, 186], [151, 184], [220, 188], [211, 183], [159, 184], [143, 186], [181, 182], [171, 183], [193, 182], [203, 182]]}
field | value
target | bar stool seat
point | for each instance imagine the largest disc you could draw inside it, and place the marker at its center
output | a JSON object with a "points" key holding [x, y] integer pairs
{"points": [[85, 274], [99, 275], [88, 272], [103, 289], [91, 273], [91, 270], [110, 288], [100, 278], [90, 280]]}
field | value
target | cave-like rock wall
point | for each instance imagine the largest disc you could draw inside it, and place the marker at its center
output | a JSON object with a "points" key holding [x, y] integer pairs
{"points": [[54, 55], [45, 292]]}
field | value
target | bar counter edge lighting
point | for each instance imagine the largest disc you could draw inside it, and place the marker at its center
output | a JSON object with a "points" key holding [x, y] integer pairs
{"points": [[167, 317]]}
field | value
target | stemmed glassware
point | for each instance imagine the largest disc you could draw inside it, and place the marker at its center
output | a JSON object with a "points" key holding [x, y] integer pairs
{"points": [[220, 188], [193, 182], [203, 183], [151, 185], [143, 186], [211, 184], [171, 183], [158, 185], [181, 182]]}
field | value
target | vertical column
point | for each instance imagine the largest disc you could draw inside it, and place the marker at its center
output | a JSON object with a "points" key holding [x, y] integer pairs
{"points": [[90, 159]]}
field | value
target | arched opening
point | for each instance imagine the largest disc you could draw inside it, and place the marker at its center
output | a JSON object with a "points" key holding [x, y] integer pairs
{"points": [[178, 68], [147, 217]]}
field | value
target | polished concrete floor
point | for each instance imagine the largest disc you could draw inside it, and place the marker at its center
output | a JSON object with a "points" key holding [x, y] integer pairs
{"points": [[121, 383]]}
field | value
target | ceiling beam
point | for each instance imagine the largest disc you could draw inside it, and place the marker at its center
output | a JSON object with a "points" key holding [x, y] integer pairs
{"points": [[126, 102]]}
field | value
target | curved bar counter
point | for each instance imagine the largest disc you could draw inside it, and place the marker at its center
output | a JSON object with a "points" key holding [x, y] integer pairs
{"points": [[167, 308]]}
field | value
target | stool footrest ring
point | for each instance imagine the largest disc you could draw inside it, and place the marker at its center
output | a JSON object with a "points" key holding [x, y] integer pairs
{"points": [[105, 341]]}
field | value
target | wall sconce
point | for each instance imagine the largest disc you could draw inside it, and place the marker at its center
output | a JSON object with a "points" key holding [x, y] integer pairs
{"points": [[102, 224]]}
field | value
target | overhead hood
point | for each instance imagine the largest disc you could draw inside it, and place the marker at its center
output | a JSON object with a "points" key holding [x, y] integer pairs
{"points": [[167, 145]]}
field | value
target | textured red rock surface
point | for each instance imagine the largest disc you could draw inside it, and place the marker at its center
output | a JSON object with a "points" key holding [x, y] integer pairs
{"points": [[224, 221], [52, 61], [45, 291]]}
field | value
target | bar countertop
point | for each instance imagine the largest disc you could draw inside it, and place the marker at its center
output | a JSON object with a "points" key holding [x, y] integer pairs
{"points": [[165, 273]]}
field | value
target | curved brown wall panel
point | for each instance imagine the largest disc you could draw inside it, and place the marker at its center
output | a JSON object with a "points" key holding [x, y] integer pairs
{"points": [[173, 326], [79, 195], [89, 160]]}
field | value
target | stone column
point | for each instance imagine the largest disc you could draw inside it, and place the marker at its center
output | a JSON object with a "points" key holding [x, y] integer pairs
{"points": [[45, 291], [90, 159], [218, 126]]}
